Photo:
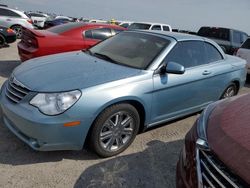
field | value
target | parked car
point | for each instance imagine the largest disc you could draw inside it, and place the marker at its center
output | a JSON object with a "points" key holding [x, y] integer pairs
{"points": [[15, 20], [229, 39], [3, 5], [125, 24], [150, 26], [56, 21], [7, 36], [63, 38], [244, 53], [97, 21], [217, 148], [115, 89], [38, 19]]}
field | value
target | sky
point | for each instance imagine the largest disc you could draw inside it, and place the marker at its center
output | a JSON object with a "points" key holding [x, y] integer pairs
{"points": [[182, 14]]}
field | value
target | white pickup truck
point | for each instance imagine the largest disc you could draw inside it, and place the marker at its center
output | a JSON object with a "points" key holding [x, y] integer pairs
{"points": [[150, 26]]}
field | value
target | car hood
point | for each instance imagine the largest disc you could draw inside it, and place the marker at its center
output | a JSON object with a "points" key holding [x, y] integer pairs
{"points": [[69, 71], [229, 134]]}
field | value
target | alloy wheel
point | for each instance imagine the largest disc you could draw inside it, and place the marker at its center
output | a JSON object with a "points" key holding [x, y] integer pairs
{"points": [[18, 31], [229, 92], [117, 131]]}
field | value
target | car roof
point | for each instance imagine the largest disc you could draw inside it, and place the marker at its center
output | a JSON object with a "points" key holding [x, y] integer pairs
{"points": [[174, 35]]}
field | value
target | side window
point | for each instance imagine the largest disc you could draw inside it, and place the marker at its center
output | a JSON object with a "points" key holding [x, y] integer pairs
{"points": [[236, 37], [98, 34], [125, 25], [156, 27], [166, 28], [5, 12], [246, 44], [243, 37], [188, 54], [212, 54], [88, 34]]}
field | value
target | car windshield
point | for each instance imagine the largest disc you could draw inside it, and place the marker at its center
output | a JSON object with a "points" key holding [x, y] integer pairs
{"points": [[131, 49], [139, 26]]}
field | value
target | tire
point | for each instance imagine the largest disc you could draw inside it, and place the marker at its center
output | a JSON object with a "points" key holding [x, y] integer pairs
{"points": [[230, 91], [2, 41], [114, 130], [18, 31]]}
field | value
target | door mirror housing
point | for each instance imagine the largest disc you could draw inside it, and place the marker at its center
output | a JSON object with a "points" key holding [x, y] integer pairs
{"points": [[174, 68], [170, 67]]}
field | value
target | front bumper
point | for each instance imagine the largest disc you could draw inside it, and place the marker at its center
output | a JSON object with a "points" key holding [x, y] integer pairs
{"points": [[41, 132], [186, 176], [10, 38]]}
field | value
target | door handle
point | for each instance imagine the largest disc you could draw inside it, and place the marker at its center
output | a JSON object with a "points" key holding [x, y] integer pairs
{"points": [[206, 72], [8, 19]]}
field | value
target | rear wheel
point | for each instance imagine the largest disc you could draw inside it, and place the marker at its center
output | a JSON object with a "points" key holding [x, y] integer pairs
{"points": [[114, 130], [18, 31], [2, 41], [230, 91]]}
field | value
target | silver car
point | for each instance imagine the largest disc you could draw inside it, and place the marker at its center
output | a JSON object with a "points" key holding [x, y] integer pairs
{"points": [[14, 19], [38, 19]]}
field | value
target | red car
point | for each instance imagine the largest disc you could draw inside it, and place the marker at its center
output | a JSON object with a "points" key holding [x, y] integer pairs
{"points": [[217, 148], [63, 38]]}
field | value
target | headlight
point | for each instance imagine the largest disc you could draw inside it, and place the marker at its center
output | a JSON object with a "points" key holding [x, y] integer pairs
{"points": [[55, 103]]}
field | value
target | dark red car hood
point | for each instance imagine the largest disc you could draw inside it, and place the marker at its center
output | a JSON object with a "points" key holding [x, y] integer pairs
{"points": [[229, 134]]}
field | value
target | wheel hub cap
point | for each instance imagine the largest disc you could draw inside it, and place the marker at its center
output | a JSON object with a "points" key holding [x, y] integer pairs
{"points": [[116, 131]]}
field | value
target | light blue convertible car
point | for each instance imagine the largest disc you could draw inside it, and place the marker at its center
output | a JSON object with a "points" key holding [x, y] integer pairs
{"points": [[107, 94]]}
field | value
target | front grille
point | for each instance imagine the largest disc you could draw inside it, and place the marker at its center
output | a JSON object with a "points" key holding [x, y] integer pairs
{"points": [[214, 173], [15, 91]]}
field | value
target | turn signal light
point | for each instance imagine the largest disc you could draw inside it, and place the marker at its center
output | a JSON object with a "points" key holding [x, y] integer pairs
{"points": [[30, 21], [71, 124], [10, 30]]}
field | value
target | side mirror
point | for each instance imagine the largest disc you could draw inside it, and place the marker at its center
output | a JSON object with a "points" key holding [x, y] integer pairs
{"points": [[174, 68]]}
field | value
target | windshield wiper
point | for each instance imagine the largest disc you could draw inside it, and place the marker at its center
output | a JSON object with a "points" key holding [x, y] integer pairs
{"points": [[105, 57], [87, 51]]}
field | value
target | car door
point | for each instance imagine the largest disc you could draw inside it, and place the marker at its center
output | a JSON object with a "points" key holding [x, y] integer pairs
{"points": [[177, 95], [219, 72]]}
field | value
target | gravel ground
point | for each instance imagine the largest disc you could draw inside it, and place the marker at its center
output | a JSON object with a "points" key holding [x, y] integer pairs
{"points": [[149, 162]]}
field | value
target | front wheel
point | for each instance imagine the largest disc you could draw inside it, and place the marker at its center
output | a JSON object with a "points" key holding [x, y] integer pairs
{"points": [[114, 130], [230, 91]]}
